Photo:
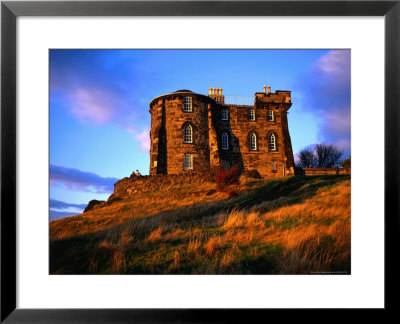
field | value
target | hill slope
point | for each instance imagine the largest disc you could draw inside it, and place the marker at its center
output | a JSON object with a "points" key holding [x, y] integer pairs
{"points": [[181, 225]]}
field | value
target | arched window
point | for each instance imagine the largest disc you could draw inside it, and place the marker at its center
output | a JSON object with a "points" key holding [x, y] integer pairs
{"points": [[270, 115], [272, 142], [253, 142], [225, 141], [188, 134]]}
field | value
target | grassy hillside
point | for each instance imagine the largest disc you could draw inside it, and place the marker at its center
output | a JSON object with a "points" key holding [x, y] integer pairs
{"points": [[289, 225]]}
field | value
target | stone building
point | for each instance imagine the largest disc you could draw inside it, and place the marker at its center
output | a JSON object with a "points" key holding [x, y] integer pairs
{"points": [[191, 132]]}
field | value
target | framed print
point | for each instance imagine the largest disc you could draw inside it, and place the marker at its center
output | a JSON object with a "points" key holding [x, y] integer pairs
{"points": [[142, 183]]}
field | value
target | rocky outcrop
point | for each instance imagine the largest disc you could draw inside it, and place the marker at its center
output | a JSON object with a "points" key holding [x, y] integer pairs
{"points": [[135, 185], [94, 204]]}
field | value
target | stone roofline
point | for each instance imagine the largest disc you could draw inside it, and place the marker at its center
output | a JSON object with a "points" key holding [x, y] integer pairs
{"points": [[233, 105], [179, 93], [188, 92], [272, 93]]}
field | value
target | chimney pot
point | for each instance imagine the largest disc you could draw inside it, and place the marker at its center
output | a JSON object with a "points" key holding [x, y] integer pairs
{"points": [[265, 88], [213, 91], [269, 90], [209, 91]]}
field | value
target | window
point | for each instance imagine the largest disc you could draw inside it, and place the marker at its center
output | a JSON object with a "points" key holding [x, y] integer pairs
{"points": [[272, 142], [187, 104], [224, 114], [252, 114], [188, 162], [270, 115], [253, 142], [273, 166], [226, 165], [187, 134], [225, 141]]}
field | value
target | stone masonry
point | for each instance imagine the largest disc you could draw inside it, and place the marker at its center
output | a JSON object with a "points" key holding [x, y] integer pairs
{"points": [[192, 132]]}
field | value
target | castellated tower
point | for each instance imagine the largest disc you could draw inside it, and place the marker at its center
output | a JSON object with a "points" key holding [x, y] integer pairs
{"points": [[192, 132]]}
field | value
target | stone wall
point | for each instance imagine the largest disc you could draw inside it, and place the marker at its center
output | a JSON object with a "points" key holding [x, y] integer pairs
{"points": [[322, 171], [276, 163]]}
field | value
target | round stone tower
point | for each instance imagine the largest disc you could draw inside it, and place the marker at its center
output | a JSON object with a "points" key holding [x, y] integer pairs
{"points": [[179, 133]]}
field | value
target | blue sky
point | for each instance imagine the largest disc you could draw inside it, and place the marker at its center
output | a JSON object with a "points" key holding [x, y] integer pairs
{"points": [[99, 113]]}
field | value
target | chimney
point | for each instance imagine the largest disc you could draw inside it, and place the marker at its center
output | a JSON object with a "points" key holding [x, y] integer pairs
{"points": [[265, 88], [216, 94], [269, 90]]}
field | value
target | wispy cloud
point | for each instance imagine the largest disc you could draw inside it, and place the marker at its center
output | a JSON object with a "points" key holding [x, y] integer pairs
{"points": [[99, 89], [77, 180], [58, 204], [143, 137], [54, 214], [60, 209], [92, 105], [326, 93]]}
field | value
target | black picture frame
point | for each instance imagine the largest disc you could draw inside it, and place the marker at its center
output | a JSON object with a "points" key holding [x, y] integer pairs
{"points": [[10, 10]]}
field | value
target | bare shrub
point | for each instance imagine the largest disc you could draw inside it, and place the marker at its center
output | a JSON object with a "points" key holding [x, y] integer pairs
{"points": [[228, 180]]}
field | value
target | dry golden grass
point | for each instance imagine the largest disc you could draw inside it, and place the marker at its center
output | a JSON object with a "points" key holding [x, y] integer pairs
{"points": [[155, 235], [226, 259], [313, 234], [194, 245], [141, 205], [302, 230], [118, 261], [177, 258], [211, 247], [240, 219]]}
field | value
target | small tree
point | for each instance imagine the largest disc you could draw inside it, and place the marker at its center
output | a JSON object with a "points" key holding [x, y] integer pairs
{"points": [[320, 156], [307, 158], [346, 163], [228, 180]]}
